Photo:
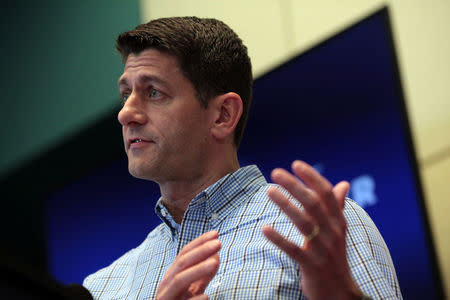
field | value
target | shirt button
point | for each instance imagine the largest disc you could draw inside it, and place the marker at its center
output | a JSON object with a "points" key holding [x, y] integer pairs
{"points": [[214, 216]]}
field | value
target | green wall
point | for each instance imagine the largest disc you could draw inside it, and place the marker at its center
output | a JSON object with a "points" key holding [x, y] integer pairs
{"points": [[59, 71], [59, 75]]}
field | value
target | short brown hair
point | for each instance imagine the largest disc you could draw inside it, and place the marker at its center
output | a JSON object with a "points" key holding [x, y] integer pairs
{"points": [[211, 56]]}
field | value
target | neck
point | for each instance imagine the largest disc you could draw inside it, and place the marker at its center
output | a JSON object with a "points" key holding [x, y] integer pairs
{"points": [[177, 194]]}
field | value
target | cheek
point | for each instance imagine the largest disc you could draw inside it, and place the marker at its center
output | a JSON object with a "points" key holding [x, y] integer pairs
{"points": [[188, 135], [184, 129]]}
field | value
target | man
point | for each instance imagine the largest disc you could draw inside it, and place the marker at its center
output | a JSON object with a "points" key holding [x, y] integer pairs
{"points": [[226, 232]]}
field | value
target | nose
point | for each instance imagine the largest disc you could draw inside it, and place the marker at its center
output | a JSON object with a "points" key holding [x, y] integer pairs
{"points": [[132, 112]]}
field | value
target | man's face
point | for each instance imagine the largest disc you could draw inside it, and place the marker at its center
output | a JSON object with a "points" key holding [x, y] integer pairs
{"points": [[165, 128]]}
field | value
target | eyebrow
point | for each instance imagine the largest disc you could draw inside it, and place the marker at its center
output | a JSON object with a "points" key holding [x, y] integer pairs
{"points": [[143, 79]]}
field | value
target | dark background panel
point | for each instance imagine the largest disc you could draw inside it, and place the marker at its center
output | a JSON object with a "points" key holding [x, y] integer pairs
{"points": [[58, 88]]}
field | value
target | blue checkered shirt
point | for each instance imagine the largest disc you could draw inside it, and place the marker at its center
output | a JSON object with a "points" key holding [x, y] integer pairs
{"points": [[250, 266]]}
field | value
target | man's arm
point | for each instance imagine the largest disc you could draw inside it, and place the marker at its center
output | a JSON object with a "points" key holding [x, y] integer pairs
{"points": [[322, 258]]}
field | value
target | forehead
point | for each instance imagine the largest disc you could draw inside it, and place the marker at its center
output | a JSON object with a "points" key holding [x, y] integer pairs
{"points": [[150, 62]]}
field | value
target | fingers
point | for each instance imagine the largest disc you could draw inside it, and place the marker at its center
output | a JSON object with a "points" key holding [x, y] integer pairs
{"points": [[317, 196], [322, 256], [193, 268], [200, 285], [192, 281], [296, 189], [322, 219], [318, 183], [207, 236], [195, 252], [291, 249], [200, 297], [340, 191], [303, 257], [301, 220]]}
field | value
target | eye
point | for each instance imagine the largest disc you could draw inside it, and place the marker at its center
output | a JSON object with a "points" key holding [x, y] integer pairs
{"points": [[155, 94], [125, 97]]}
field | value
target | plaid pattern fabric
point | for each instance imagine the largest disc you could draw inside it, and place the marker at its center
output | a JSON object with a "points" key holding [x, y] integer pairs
{"points": [[250, 266]]}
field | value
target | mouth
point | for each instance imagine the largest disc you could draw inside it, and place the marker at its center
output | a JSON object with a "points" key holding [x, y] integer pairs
{"points": [[136, 142]]}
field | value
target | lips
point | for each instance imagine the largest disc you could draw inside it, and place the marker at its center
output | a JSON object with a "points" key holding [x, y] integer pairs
{"points": [[137, 141]]}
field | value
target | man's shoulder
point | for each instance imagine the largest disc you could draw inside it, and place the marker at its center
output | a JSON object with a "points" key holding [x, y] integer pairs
{"points": [[121, 265]]}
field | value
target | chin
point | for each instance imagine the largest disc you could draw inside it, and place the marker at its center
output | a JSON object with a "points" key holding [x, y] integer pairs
{"points": [[136, 171], [136, 174], [140, 172]]}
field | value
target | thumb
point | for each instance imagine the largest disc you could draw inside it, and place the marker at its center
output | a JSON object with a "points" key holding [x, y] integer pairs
{"points": [[340, 191]]}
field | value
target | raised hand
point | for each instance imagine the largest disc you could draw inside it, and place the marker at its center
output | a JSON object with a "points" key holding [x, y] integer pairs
{"points": [[325, 273], [192, 270]]}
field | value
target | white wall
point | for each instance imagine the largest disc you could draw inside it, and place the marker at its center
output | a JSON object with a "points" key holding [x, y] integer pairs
{"points": [[276, 30]]}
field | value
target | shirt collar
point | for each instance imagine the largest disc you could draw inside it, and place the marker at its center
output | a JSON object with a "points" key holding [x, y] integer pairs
{"points": [[229, 192], [221, 197], [165, 216]]}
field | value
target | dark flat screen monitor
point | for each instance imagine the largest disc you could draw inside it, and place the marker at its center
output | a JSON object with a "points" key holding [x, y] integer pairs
{"points": [[338, 106]]}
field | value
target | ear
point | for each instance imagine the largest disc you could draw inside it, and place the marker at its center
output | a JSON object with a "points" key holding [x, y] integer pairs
{"points": [[227, 113]]}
